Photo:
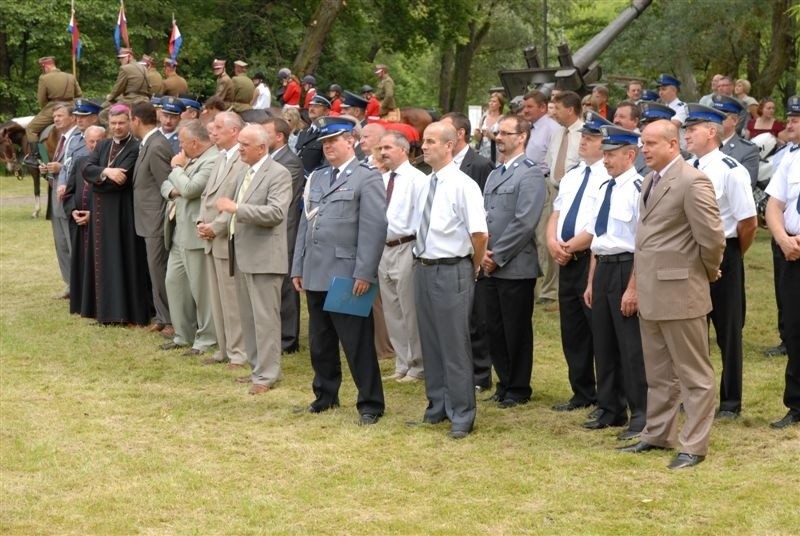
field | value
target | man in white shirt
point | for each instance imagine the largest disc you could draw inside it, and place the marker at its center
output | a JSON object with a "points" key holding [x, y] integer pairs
{"points": [[262, 98], [395, 272]]}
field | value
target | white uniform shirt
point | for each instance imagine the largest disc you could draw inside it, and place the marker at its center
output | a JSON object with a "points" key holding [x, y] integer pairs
{"points": [[785, 186], [402, 213], [572, 147], [456, 213], [680, 110], [264, 98], [568, 189], [732, 186], [623, 215], [230, 152]]}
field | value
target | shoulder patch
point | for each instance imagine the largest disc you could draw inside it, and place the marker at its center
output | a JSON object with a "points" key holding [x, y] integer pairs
{"points": [[638, 184], [745, 142], [323, 166], [730, 162], [680, 103], [528, 162], [366, 165]]}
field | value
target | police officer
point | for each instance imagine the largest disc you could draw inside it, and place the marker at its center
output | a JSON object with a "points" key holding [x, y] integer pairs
{"points": [[192, 107], [356, 106], [225, 89], [668, 88], [611, 290], [743, 151], [783, 219], [309, 147], [174, 84], [243, 87], [55, 87], [171, 110], [132, 85]]}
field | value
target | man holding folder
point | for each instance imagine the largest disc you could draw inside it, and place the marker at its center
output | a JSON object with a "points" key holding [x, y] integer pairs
{"points": [[342, 233]]}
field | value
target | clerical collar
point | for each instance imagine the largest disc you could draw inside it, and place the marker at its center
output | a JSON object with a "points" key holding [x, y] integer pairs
{"points": [[126, 139]]}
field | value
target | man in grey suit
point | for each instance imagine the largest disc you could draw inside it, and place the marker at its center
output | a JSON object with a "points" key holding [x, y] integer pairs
{"points": [[679, 246], [187, 290], [259, 254], [152, 169], [213, 228], [513, 199], [342, 233], [279, 131], [743, 151]]}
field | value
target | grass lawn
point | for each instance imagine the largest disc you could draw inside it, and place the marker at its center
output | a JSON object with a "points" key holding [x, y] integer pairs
{"points": [[103, 433]]}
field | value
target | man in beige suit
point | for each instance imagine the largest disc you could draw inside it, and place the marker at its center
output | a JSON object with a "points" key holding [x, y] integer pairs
{"points": [[679, 246], [259, 254], [213, 228]]}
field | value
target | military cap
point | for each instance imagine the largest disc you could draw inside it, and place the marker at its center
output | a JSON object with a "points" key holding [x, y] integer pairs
{"points": [[665, 79], [727, 104], [240, 63], [155, 100], [352, 100], [86, 107], [47, 59], [653, 111], [793, 106], [309, 79], [592, 121], [615, 137], [367, 89], [147, 60], [190, 101], [697, 113], [649, 95], [331, 126], [124, 52], [380, 68], [218, 64], [284, 73], [169, 63], [172, 105], [321, 101]]}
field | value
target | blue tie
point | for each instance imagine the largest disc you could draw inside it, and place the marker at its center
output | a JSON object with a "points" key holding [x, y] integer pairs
{"points": [[601, 226], [568, 229]]}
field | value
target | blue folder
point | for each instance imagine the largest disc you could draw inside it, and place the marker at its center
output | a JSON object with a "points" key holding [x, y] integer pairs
{"points": [[341, 299]]}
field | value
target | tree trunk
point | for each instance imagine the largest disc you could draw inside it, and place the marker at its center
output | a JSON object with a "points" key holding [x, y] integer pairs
{"points": [[319, 26], [446, 77], [464, 55], [780, 50]]}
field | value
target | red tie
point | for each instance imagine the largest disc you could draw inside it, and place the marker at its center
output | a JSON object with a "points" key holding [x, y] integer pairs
{"points": [[390, 187], [60, 149]]}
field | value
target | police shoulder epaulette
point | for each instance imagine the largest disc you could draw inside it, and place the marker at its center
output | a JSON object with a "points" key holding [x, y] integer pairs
{"points": [[638, 184], [781, 148], [745, 142], [366, 165], [528, 162], [576, 165], [323, 166], [680, 103], [730, 162]]}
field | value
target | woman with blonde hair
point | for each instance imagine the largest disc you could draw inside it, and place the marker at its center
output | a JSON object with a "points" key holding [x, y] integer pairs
{"points": [[292, 116], [485, 133], [741, 91]]}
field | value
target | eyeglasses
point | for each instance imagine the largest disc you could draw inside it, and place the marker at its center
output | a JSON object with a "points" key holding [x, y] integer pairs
{"points": [[507, 133]]}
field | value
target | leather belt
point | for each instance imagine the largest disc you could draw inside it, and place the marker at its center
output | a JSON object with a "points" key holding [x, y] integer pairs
{"points": [[580, 254], [446, 260], [404, 240], [619, 257]]}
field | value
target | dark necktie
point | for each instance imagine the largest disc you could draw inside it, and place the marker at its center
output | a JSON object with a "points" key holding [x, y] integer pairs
{"points": [[697, 163], [60, 148], [426, 215], [390, 187], [334, 173], [601, 226], [568, 229]]}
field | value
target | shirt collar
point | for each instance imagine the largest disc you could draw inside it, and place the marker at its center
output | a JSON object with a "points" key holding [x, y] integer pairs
{"points": [[148, 135]]}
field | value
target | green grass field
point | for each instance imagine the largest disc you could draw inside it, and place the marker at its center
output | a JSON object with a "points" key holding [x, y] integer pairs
{"points": [[103, 433]]}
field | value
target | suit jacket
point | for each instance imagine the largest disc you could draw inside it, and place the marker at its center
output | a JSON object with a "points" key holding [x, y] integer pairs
{"points": [[476, 166], [309, 149], [746, 153], [260, 229], [343, 227], [513, 201], [190, 183], [679, 244], [221, 183], [152, 169], [285, 157]]}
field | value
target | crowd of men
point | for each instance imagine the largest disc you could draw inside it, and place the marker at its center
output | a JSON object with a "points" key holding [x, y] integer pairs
{"points": [[206, 230]]}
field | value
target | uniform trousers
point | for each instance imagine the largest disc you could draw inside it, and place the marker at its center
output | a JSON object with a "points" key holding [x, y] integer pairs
{"points": [[259, 307], [790, 294], [189, 298], [290, 314], [548, 286], [678, 370], [444, 294], [576, 330], [225, 310], [778, 267], [621, 381], [61, 236], [509, 310], [39, 122], [479, 339], [396, 273], [157, 259], [356, 334], [727, 294]]}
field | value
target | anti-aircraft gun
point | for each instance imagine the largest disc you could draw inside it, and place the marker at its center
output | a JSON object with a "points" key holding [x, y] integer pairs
{"points": [[576, 72]]}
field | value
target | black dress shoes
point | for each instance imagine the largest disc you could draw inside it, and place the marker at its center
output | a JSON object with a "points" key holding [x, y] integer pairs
{"points": [[776, 351], [511, 402], [627, 435], [459, 433], [685, 460], [725, 415], [788, 420], [600, 425], [313, 408], [368, 418], [494, 398], [639, 447], [569, 406], [292, 349]]}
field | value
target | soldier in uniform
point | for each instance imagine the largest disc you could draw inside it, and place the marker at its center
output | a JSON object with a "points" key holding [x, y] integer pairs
{"points": [[355, 106], [153, 76], [309, 147], [385, 92], [743, 151], [342, 233], [174, 84], [132, 85], [243, 87], [55, 87], [225, 89]]}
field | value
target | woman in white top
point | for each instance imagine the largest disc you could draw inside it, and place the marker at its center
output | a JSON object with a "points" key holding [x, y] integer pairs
{"points": [[484, 135]]}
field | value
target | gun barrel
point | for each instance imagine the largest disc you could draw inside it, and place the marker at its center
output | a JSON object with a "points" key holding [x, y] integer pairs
{"points": [[589, 52]]}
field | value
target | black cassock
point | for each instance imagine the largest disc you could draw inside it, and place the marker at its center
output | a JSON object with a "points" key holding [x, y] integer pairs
{"points": [[78, 196], [116, 285]]}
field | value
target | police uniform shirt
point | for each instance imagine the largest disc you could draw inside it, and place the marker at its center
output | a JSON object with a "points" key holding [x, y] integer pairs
{"points": [[732, 186], [170, 135], [680, 110], [402, 212], [623, 215], [785, 187], [456, 213], [568, 188]]}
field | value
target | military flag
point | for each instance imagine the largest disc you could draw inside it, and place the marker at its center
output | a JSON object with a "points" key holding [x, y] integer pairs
{"points": [[121, 30], [175, 41]]}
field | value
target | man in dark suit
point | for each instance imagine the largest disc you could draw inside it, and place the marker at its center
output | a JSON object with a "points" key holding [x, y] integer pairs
{"points": [[478, 169], [679, 246], [259, 254], [152, 169], [279, 131], [342, 233], [513, 199]]}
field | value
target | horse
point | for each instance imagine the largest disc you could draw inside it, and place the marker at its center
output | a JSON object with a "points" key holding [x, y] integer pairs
{"points": [[14, 145]]}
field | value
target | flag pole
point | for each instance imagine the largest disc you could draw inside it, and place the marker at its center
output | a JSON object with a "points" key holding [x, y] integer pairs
{"points": [[74, 62]]}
